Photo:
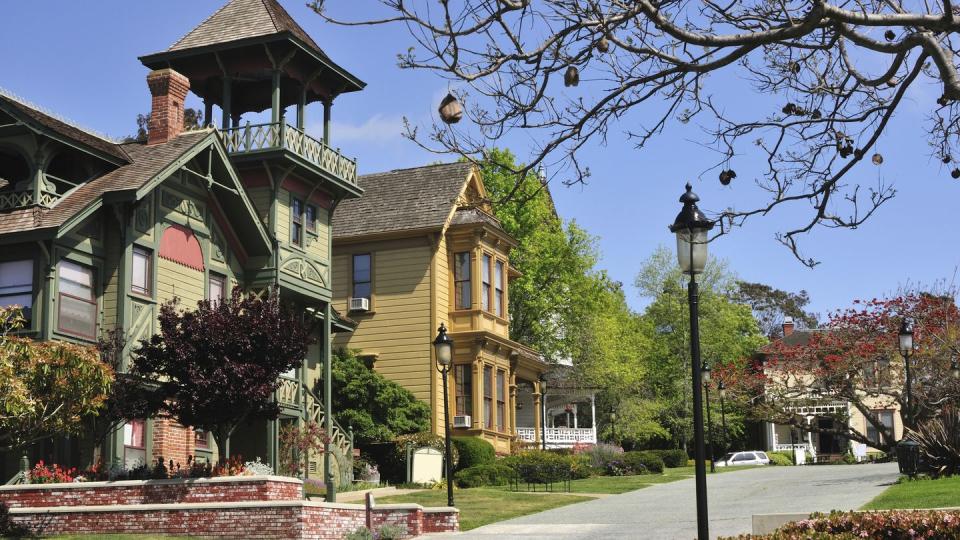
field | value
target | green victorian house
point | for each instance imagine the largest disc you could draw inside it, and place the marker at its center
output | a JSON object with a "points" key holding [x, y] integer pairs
{"points": [[97, 234]]}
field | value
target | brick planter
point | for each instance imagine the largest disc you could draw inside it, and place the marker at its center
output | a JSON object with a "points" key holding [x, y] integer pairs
{"points": [[129, 492]]}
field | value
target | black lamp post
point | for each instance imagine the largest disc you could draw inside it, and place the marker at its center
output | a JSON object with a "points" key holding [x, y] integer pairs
{"points": [[543, 411], [705, 371], [906, 350], [692, 228], [723, 413], [443, 346]]}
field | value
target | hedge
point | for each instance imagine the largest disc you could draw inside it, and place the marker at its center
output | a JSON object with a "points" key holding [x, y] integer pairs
{"points": [[673, 458], [643, 462], [539, 467], [491, 474], [781, 458], [473, 451]]}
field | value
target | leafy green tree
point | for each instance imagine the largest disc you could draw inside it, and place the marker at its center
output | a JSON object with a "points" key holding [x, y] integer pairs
{"points": [[770, 306], [379, 409], [556, 260], [46, 388], [728, 333]]}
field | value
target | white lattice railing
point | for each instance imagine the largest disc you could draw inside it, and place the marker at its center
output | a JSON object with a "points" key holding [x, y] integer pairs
{"points": [[23, 199], [275, 136], [559, 436]]}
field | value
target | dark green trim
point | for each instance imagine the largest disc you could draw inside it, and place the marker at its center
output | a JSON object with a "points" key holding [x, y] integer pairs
{"points": [[347, 188], [41, 129]]}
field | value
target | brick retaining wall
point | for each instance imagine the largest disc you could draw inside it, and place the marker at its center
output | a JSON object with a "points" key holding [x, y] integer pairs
{"points": [[196, 490], [267, 520]]}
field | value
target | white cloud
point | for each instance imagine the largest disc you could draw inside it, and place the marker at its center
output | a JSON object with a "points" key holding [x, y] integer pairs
{"points": [[378, 128]]}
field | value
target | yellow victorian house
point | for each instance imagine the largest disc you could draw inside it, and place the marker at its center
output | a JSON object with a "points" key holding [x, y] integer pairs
{"points": [[422, 248]]}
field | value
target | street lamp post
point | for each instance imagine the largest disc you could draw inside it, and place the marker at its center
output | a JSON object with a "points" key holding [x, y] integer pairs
{"points": [[906, 350], [723, 413], [543, 411], [706, 389], [443, 346], [692, 228]]}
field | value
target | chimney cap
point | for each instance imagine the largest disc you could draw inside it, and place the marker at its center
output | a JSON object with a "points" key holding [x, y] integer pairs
{"points": [[788, 320]]}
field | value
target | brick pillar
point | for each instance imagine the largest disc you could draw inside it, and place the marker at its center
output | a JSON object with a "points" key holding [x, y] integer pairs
{"points": [[171, 441], [169, 90]]}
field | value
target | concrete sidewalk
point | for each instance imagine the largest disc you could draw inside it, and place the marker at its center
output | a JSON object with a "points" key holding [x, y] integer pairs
{"points": [[668, 511]]}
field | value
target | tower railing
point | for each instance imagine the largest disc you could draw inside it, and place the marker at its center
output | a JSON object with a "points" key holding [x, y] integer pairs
{"points": [[252, 138]]}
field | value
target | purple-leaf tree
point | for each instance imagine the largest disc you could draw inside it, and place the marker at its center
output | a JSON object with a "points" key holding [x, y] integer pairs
{"points": [[218, 366]]}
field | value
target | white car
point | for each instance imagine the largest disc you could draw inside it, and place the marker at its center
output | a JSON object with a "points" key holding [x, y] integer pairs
{"points": [[753, 457]]}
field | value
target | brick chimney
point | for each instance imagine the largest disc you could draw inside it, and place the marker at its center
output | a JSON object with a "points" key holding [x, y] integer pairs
{"points": [[787, 326], [169, 90]]}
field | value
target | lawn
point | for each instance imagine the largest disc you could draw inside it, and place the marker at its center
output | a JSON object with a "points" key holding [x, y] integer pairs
{"points": [[480, 506], [940, 493]]}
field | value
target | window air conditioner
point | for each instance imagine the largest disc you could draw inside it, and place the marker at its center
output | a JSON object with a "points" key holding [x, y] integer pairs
{"points": [[359, 304], [461, 421]]}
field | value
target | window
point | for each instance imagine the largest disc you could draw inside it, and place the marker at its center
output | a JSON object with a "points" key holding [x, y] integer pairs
{"points": [[141, 280], [296, 228], [361, 276], [744, 456], [16, 285], [488, 397], [134, 444], [886, 419], [463, 379], [311, 218], [201, 439], [876, 373], [461, 280], [498, 289], [485, 279], [218, 288], [78, 304], [501, 399]]}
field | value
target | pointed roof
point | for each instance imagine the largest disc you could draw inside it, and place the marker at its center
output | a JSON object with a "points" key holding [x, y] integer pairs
{"points": [[416, 199], [243, 19]]}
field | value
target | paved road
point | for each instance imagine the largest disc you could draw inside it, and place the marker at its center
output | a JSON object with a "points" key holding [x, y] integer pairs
{"points": [[668, 511]]}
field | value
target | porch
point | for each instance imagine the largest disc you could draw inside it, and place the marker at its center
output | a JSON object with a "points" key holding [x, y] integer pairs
{"points": [[566, 417], [819, 446]]}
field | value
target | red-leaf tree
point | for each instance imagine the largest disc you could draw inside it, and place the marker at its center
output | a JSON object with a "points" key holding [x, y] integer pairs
{"points": [[218, 366], [855, 358]]}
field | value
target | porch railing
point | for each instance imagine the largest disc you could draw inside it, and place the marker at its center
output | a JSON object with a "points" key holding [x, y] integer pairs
{"points": [[23, 199], [252, 138], [292, 394], [559, 436]]}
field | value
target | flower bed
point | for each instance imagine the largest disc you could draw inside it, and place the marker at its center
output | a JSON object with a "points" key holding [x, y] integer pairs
{"points": [[126, 492], [891, 524]]}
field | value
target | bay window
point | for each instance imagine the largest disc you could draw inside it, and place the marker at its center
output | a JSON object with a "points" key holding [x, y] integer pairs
{"points": [[488, 397], [463, 293], [485, 279], [886, 420], [498, 289], [501, 399], [77, 313], [16, 285], [463, 389]]}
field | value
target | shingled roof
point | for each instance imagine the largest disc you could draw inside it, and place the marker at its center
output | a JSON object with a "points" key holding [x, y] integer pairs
{"points": [[243, 19], [31, 114], [146, 163], [406, 199]]}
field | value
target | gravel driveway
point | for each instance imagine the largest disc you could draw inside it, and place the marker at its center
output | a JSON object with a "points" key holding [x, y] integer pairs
{"points": [[668, 511]]}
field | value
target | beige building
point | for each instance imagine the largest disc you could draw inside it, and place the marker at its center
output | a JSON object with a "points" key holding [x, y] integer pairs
{"points": [[420, 249]]}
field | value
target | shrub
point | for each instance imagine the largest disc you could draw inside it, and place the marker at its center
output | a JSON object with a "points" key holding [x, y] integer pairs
{"points": [[391, 532], [673, 458], [617, 467], [313, 486], [939, 440], [539, 467], [780, 458], [488, 474], [51, 474], [600, 455], [643, 462], [360, 533], [473, 451], [895, 524]]}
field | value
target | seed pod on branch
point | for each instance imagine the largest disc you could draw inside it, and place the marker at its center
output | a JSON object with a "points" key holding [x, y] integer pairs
{"points": [[603, 45], [450, 109], [877, 159], [571, 77]]}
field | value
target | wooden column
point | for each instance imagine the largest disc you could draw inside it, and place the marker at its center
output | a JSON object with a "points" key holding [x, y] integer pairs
{"points": [[225, 105], [275, 101], [327, 105], [537, 411], [207, 112], [477, 393], [302, 110]]}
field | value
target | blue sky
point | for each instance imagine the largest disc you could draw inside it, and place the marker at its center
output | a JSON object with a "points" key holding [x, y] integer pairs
{"points": [[79, 59]]}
